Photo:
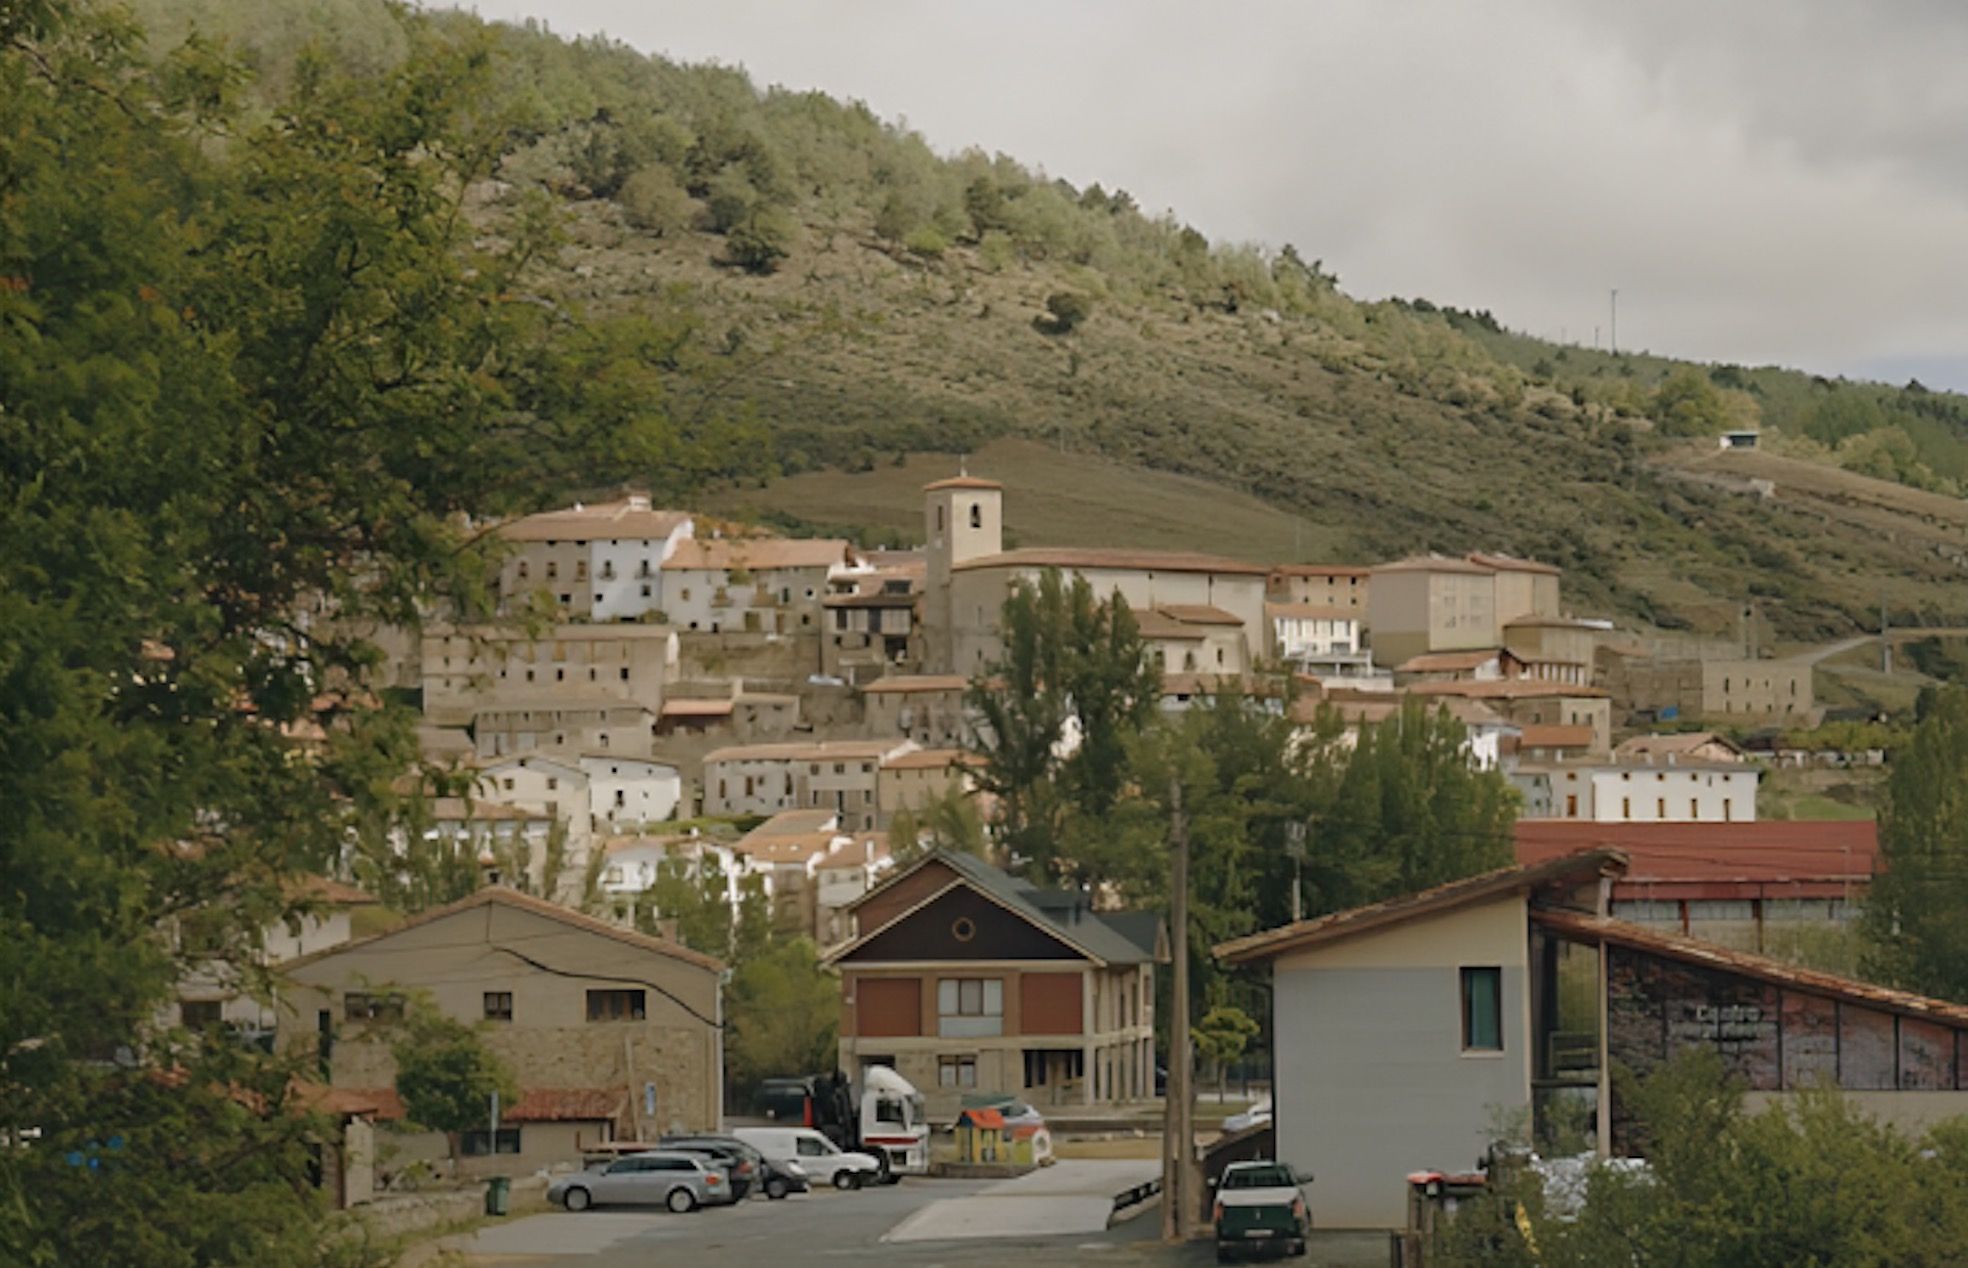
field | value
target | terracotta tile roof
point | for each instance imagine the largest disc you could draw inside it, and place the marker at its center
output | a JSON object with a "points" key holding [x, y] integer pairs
{"points": [[1432, 563], [962, 482], [1552, 735], [375, 1102], [796, 823], [1132, 560], [809, 751], [1456, 894], [1194, 684], [1448, 662], [618, 631], [1152, 623], [1510, 563], [1199, 614], [508, 897], [787, 848], [1664, 745], [758, 553], [696, 708], [905, 683], [931, 759], [1674, 946], [857, 850], [630, 517], [1310, 612], [568, 1105], [1552, 623], [1508, 689], [1321, 570]]}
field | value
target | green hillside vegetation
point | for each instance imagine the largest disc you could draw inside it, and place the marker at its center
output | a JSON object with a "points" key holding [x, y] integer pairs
{"points": [[829, 294]]}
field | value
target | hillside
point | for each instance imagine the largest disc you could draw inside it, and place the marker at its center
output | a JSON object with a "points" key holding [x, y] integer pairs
{"points": [[848, 298]]}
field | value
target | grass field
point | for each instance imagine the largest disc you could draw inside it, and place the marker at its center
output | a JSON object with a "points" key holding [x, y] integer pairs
{"points": [[1052, 498]]}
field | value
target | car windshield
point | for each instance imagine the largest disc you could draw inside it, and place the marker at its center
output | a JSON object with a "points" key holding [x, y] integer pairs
{"points": [[1257, 1178]]}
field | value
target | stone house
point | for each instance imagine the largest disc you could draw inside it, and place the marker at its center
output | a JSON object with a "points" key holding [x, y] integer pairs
{"points": [[467, 669], [600, 562], [769, 585], [837, 775], [913, 780], [1339, 587], [926, 708], [611, 1034]]}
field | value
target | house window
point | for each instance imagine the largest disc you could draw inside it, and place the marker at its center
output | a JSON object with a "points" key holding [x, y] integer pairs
{"points": [[552, 783], [481, 1143], [970, 1006], [1571, 805], [1694, 808], [956, 1071], [553, 569], [522, 570], [362, 1006], [1626, 807], [625, 673], [1660, 807], [1482, 1010], [645, 590], [498, 1005], [1728, 809], [200, 1014], [615, 1006], [976, 515]]}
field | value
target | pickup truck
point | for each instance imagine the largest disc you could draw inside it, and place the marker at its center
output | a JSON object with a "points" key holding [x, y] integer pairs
{"points": [[1259, 1208]]}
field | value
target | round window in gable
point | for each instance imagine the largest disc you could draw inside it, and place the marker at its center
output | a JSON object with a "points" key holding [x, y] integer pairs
{"points": [[963, 929]]}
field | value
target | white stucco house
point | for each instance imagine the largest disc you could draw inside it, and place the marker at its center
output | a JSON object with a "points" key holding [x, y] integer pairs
{"points": [[1639, 791], [625, 793]]}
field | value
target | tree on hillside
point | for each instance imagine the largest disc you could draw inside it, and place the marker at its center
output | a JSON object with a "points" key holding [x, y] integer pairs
{"points": [[1688, 404], [1059, 707], [447, 1076], [1916, 913]]}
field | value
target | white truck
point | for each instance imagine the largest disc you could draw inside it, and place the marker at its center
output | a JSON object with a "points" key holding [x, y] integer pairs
{"points": [[881, 1115]]}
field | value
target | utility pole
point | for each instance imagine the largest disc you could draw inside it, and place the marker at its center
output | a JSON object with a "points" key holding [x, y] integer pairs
{"points": [[1614, 336], [1885, 642], [1178, 1138]]}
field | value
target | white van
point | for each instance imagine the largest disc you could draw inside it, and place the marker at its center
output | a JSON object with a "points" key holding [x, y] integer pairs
{"points": [[819, 1157]]}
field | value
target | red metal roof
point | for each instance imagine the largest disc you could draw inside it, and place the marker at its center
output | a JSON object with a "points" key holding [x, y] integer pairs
{"points": [[1769, 858], [987, 1118]]}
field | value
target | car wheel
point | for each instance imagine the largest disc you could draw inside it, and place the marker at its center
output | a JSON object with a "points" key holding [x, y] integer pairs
{"points": [[845, 1179], [1298, 1250], [776, 1188], [681, 1201], [1223, 1255], [578, 1199]]}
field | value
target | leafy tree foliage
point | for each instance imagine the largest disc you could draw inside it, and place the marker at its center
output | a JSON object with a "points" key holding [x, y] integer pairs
{"points": [[1916, 917], [783, 1014], [1810, 1181], [951, 821], [1221, 1035], [255, 371], [1059, 707], [446, 1075], [1687, 404]]}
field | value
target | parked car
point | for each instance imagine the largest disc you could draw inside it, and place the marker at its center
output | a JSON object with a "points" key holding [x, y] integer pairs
{"points": [[775, 1180], [1257, 1114], [1259, 1208], [822, 1160], [680, 1181]]}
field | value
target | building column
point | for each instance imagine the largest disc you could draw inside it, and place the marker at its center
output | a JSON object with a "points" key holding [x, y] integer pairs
{"points": [[1088, 1055]]}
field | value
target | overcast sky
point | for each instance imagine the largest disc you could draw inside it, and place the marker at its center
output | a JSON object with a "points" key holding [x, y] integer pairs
{"points": [[1762, 181]]}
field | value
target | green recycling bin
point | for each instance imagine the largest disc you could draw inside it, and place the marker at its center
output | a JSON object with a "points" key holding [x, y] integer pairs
{"points": [[498, 1191]]}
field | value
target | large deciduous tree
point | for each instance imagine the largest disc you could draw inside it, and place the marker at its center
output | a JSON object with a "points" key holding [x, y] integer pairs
{"points": [[255, 370], [447, 1076], [1059, 707], [1916, 918]]}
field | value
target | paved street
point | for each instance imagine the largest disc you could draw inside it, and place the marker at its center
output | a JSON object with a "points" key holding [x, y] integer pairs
{"points": [[831, 1227]]}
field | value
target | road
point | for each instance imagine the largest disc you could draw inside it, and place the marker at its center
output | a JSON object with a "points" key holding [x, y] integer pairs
{"points": [[848, 1228]]}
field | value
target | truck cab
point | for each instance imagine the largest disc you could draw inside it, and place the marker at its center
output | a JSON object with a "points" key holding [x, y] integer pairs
{"points": [[893, 1125], [1259, 1208]]}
